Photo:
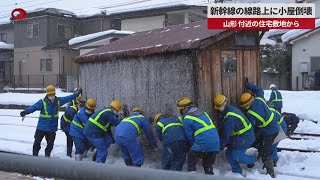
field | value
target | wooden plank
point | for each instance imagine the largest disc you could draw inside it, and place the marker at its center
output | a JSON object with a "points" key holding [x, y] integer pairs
{"points": [[226, 85], [233, 90], [240, 74], [216, 70], [207, 82], [216, 84], [199, 82], [253, 69], [214, 39]]}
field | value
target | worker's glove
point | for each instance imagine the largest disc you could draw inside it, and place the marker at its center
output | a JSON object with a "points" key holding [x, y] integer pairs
{"points": [[77, 91], [246, 80], [23, 113]]}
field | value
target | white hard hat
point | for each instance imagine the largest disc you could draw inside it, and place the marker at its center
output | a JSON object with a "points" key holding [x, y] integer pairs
{"points": [[272, 86]]}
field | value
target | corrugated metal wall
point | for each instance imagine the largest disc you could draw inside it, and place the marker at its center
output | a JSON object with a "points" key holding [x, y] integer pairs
{"points": [[154, 83]]}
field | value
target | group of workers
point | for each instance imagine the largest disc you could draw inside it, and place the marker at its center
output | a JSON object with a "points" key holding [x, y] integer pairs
{"points": [[191, 134]]}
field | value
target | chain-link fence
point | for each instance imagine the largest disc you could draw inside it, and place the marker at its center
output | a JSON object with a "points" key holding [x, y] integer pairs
{"points": [[36, 82]]}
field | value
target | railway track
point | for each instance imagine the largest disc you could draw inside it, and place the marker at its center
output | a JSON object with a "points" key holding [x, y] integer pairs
{"points": [[302, 136]]}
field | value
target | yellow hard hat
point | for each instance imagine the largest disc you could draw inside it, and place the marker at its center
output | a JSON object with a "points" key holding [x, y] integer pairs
{"points": [[156, 117], [137, 109], [79, 98], [246, 98], [184, 102], [220, 101], [116, 104], [91, 104], [51, 90]]}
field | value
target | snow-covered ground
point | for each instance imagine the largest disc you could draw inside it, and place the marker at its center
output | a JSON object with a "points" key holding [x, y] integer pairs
{"points": [[25, 99], [17, 136]]}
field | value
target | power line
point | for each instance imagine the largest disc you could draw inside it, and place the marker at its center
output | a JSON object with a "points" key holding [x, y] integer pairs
{"points": [[112, 5], [6, 16], [18, 3]]}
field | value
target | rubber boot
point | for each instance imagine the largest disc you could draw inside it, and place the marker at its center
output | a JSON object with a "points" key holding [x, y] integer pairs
{"points": [[69, 152], [85, 154], [208, 171], [136, 165], [94, 157], [128, 162], [269, 165], [250, 166], [35, 153], [78, 157]]}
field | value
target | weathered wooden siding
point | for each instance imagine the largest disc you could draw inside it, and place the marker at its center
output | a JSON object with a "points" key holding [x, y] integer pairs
{"points": [[211, 80], [154, 83]]}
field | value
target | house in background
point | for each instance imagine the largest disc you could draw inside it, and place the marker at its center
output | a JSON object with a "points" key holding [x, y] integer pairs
{"points": [[144, 16], [96, 23], [154, 68], [6, 52], [41, 55], [305, 57]]}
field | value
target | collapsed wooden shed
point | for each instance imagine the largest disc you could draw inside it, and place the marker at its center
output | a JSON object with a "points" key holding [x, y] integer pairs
{"points": [[154, 69]]}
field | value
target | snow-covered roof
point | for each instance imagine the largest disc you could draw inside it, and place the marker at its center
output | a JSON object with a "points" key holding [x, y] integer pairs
{"points": [[4, 45], [275, 32], [263, 1], [264, 42], [154, 4], [51, 10], [5, 22], [293, 34], [88, 37]]}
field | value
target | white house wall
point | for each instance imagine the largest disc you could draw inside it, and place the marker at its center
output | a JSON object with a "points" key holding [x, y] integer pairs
{"points": [[302, 50], [83, 51], [142, 24]]}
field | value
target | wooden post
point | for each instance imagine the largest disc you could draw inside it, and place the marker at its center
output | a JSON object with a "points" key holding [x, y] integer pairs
{"points": [[28, 82], [43, 82]]}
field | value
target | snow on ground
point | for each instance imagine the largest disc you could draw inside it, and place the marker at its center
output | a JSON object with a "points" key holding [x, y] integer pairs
{"points": [[303, 103], [25, 99], [17, 136]]}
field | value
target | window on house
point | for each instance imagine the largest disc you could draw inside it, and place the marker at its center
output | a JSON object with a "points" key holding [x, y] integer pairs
{"points": [[33, 30], [3, 37], [45, 65], [229, 64], [64, 31], [244, 40], [315, 63]]}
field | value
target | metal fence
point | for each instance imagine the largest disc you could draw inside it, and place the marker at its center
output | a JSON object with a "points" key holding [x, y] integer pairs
{"points": [[38, 82]]}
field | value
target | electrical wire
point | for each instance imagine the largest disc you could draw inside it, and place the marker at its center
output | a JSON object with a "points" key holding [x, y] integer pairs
{"points": [[18, 3], [6, 16]]}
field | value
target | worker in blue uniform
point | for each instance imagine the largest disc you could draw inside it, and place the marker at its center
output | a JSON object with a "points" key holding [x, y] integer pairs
{"points": [[47, 126], [65, 122], [202, 136], [275, 98], [98, 129], [76, 129], [170, 132], [283, 125], [238, 134], [265, 125], [126, 136]]}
